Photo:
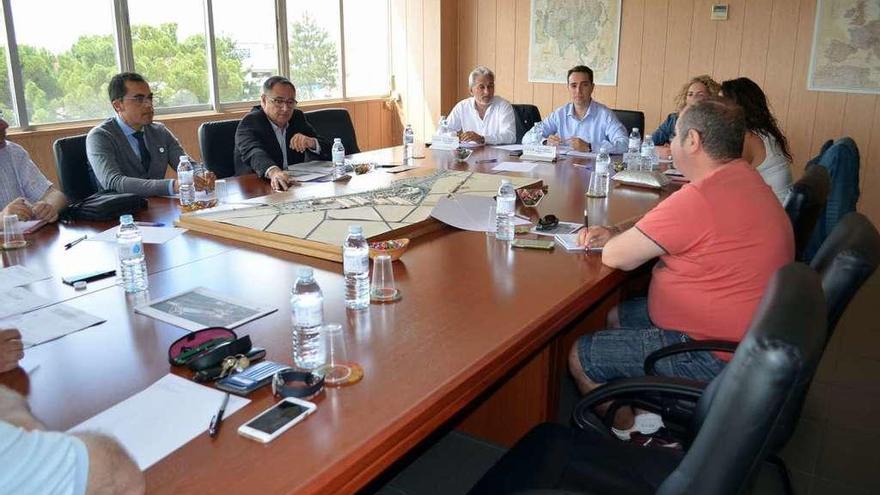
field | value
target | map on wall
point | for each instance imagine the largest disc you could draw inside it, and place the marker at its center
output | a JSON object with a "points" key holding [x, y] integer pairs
{"points": [[565, 33], [846, 47]]}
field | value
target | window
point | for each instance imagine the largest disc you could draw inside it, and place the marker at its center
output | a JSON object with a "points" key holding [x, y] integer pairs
{"points": [[367, 68], [65, 74], [68, 51], [247, 51], [168, 42], [315, 55]]}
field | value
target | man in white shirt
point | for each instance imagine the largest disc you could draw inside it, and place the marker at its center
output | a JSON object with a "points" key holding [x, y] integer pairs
{"points": [[484, 117]]}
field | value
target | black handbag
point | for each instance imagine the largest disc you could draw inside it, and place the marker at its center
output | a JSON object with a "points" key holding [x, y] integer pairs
{"points": [[104, 206]]}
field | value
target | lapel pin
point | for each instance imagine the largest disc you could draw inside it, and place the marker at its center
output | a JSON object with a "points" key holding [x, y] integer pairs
{"points": [[161, 149]]}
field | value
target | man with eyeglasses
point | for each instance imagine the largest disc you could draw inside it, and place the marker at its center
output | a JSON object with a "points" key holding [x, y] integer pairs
{"points": [[129, 152], [276, 134]]}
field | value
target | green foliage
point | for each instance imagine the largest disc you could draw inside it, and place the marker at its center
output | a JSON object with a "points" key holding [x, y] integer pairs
{"points": [[73, 85], [313, 60]]}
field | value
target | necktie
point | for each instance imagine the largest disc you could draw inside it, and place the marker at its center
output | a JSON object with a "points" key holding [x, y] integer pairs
{"points": [[142, 147]]}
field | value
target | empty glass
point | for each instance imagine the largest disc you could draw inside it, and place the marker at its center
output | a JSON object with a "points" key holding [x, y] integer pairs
{"points": [[12, 236], [220, 190], [598, 187], [338, 370], [493, 221], [382, 288]]}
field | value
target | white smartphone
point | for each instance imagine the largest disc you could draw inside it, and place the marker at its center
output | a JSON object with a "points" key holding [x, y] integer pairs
{"points": [[277, 419]]}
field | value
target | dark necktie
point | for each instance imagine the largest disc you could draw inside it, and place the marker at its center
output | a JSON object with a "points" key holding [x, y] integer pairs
{"points": [[142, 147]]}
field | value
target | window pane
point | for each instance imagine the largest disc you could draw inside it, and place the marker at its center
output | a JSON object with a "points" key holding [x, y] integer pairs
{"points": [[6, 95], [367, 71], [66, 65], [313, 35], [245, 43], [168, 40]]}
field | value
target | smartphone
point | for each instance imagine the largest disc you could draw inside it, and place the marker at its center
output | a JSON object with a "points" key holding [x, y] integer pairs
{"points": [[274, 421], [533, 244], [89, 276]]}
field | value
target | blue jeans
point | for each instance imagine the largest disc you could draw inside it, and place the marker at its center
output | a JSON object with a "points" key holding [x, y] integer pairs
{"points": [[620, 353]]}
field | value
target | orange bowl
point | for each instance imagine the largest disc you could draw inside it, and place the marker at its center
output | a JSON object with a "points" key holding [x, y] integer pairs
{"points": [[394, 248]]}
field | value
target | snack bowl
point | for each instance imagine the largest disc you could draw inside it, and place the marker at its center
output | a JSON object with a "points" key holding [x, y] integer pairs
{"points": [[363, 168], [531, 197], [462, 154], [393, 248]]}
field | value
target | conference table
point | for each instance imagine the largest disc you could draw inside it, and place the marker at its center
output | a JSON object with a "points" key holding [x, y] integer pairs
{"points": [[478, 340]]}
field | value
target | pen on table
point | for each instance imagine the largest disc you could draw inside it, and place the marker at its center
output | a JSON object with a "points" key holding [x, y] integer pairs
{"points": [[490, 160], [214, 427], [150, 224], [74, 242]]}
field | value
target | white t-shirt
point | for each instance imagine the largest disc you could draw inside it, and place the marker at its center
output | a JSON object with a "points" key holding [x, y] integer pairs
{"points": [[498, 126], [776, 168]]}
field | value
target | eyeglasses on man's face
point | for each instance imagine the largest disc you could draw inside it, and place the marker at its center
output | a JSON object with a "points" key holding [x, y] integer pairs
{"points": [[281, 102], [140, 99]]}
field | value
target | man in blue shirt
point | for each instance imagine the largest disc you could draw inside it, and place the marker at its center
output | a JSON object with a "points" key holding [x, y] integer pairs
{"points": [[584, 124], [36, 461]]}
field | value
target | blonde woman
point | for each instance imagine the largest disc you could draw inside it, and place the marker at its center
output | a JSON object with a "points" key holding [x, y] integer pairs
{"points": [[697, 89]]}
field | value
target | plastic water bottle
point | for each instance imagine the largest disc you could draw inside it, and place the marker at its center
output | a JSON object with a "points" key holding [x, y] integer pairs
{"points": [[649, 158], [505, 204], [185, 182], [635, 141], [338, 154], [408, 143], [535, 135], [443, 126], [356, 266], [598, 187], [307, 314], [130, 247]]}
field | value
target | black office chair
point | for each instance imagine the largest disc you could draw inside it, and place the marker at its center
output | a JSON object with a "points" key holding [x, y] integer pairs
{"points": [[630, 119], [335, 123], [217, 144], [76, 179], [805, 203], [733, 430], [526, 117]]}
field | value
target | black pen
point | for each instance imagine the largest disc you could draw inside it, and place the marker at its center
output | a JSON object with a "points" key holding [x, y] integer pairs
{"points": [[491, 160], [214, 427], [74, 242]]}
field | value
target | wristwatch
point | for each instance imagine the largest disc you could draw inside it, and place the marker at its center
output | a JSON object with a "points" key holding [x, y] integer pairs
{"points": [[295, 383]]}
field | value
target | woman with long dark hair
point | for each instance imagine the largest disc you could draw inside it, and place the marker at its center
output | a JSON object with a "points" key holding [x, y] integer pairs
{"points": [[765, 147]]}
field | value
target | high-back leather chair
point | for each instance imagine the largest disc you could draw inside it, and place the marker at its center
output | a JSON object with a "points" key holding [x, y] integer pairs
{"points": [[805, 203], [735, 423], [526, 117], [335, 123], [630, 119], [847, 258], [217, 144], [76, 179]]}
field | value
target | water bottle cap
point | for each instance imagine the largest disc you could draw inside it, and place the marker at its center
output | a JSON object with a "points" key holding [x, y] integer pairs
{"points": [[305, 272], [603, 149], [337, 140], [355, 229], [635, 129], [126, 219]]}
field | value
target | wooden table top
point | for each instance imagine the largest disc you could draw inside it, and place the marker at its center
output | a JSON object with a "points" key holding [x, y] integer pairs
{"points": [[471, 310]]}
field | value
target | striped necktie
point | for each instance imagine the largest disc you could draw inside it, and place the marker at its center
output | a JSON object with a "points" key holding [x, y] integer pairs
{"points": [[142, 147]]}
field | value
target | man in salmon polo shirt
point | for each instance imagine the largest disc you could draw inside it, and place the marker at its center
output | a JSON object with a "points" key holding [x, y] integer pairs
{"points": [[719, 239]]}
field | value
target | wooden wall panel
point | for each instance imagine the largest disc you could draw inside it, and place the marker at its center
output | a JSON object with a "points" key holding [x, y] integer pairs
{"points": [[663, 43]]}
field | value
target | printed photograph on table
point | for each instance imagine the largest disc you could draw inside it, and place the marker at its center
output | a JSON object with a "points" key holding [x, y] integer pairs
{"points": [[200, 308]]}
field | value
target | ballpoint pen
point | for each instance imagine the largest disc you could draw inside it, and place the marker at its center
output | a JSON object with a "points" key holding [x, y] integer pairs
{"points": [[214, 427], [150, 224], [74, 242]]}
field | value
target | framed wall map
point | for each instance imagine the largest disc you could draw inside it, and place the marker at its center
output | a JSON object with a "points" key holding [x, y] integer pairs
{"points": [[565, 33], [846, 47]]}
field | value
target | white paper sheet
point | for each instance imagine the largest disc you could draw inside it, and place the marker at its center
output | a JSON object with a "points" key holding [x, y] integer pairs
{"points": [[509, 147], [200, 308], [579, 154], [19, 300], [43, 325], [562, 229], [162, 418], [15, 275], [399, 168], [469, 213], [151, 235], [515, 167]]}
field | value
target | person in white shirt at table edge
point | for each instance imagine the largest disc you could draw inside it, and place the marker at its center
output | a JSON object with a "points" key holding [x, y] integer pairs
{"points": [[584, 124], [483, 118]]}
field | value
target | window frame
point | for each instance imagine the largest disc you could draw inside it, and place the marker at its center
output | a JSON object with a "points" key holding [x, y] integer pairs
{"points": [[125, 62]]}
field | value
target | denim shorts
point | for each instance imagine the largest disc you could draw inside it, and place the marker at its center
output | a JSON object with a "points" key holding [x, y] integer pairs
{"points": [[620, 353]]}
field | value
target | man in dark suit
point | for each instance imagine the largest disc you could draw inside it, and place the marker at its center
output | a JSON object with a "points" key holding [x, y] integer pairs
{"points": [[276, 134]]}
